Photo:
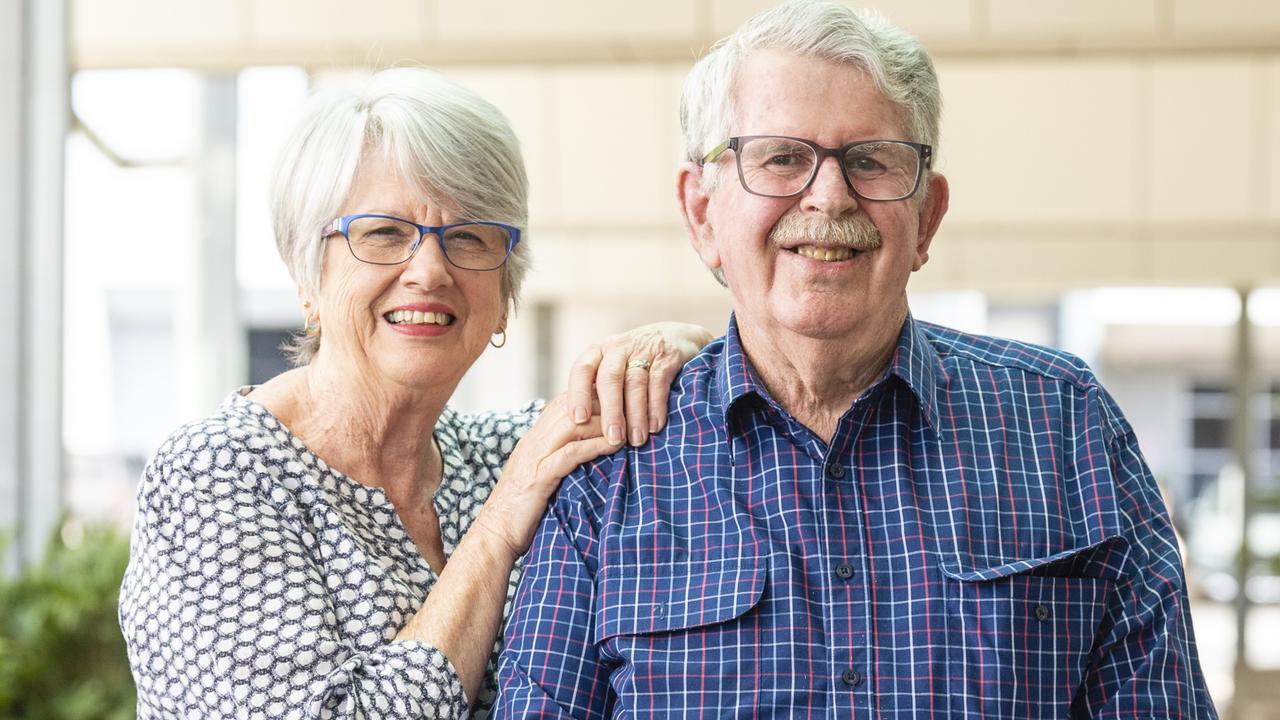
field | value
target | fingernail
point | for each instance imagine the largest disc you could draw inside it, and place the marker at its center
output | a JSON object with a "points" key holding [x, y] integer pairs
{"points": [[614, 435], [637, 436], [580, 414], [653, 427]]}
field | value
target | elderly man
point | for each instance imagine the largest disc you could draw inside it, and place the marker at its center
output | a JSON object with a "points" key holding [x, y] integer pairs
{"points": [[851, 513]]}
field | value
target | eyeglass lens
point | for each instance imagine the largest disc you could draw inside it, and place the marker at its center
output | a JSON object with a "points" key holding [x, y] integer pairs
{"points": [[881, 170], [471, 246]]}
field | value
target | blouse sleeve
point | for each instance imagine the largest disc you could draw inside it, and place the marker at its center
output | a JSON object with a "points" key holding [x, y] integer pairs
{"points": [[226, 613]]}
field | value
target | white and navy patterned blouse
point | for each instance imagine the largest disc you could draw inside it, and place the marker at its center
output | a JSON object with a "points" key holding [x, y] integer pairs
{"points": [[263, 583]]}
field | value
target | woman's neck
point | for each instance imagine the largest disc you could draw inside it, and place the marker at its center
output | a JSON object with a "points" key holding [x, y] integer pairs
{"points": [[376, 433]]}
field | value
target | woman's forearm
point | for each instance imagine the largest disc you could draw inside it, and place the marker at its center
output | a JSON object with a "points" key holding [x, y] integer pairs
{"points": [[461, 615]]}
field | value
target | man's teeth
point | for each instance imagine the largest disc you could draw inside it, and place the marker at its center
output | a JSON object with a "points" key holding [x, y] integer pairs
{"points": [[827, 254], [413, 317]]}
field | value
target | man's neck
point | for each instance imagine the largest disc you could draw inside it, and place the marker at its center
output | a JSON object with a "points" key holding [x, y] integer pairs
{"points": [[817, 379]]}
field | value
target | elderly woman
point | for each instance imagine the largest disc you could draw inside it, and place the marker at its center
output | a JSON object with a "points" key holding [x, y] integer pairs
{"points": [[335, 542]]}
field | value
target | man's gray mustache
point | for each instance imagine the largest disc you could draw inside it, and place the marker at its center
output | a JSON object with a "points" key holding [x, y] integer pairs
{"points": [[852, 231]]}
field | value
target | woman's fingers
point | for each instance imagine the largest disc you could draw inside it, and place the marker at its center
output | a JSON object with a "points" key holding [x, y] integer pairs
{"points": [[622, 385], [582, 383], [629, 376], [572, 454], [662, 373], [636, 401]]}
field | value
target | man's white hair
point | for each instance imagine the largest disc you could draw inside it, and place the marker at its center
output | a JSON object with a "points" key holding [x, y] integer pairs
{"points": [[895, 60], [454, 149]]}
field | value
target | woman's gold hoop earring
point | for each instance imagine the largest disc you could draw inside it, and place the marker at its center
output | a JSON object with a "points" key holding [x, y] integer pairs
{"points": [[503, 333]]}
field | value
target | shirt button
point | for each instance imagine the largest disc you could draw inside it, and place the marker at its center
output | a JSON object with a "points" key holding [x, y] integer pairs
{"points": [[835, 470], [844, 571], [851, 677], [1042, 612]]}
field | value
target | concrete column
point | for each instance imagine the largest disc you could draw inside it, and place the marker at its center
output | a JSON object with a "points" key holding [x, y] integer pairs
{"points": [[34, 110], [212, 347]]}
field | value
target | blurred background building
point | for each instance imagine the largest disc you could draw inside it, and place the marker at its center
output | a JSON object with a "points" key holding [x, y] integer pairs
{"points": [[1115, 170]]}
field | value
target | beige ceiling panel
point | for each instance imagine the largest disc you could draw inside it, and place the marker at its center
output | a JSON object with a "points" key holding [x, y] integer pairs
{"points": [[108, 27], [1082, 18], [315, 24], [1269, 181], [1203, 133], [1233, 17], [1060, 261], [727, 15], [1039, 140], [1219, 256], [591, 21], [926, 18], [615, 143], [524, 95]]}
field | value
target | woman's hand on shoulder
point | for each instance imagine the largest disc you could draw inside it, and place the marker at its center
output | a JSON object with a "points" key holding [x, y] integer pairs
{"points": [[630, 375], [551, 449]]}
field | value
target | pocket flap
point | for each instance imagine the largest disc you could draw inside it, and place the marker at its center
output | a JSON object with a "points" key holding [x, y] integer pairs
{"points": [[641, 599], [1103, 559]]}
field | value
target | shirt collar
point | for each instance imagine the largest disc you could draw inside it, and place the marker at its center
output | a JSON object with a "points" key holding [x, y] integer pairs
{"points": [[914, 361]]}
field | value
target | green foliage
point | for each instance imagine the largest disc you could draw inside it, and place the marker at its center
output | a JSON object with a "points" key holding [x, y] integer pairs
{"points": [[62, 656]]}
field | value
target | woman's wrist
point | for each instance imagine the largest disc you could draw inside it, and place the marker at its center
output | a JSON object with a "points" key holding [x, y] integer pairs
{"points": [[490, 536]]}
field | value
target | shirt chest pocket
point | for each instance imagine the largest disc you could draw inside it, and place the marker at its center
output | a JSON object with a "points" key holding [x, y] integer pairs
{"points": [[1020, 634], [680, 634]]}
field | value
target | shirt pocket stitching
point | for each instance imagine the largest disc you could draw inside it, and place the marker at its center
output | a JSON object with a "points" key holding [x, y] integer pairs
{"points": [[641, 600]]}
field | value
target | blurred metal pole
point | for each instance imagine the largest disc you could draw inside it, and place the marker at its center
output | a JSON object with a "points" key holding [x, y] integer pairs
{"points": [[34, 112], [211, 343], [1241, 441], [544, 324]]}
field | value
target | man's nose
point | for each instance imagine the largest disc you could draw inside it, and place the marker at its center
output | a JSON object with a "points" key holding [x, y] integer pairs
{"points": [[829, 193]]}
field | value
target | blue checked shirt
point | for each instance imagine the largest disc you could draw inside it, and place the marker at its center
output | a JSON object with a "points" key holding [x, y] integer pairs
{"points": [[980, 539]]}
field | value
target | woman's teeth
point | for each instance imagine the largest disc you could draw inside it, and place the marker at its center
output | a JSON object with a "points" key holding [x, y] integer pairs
{"points": [[827, 254], [413, 317]]}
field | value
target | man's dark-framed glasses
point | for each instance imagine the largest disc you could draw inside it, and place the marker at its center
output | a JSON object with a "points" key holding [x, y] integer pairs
{"points": [[780, 166], [389, 240]]}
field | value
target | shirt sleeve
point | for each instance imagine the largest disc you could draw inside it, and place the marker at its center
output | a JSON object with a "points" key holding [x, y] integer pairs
{"points": [[1146, 664], [549, 667], [226, 615]]}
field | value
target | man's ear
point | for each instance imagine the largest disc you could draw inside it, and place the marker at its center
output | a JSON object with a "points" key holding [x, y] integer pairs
{"points": [[694, 203], [934, 207]]}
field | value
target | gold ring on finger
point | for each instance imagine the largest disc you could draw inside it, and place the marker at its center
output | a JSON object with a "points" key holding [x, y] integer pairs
{"points": [[640, 363]]}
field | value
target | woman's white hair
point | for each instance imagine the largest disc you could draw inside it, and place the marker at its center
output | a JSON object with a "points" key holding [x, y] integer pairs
{"points": [[896, 61], [454, 148]]}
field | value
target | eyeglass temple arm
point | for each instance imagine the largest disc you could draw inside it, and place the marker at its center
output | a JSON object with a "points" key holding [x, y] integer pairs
{"points": [[716, 152]]}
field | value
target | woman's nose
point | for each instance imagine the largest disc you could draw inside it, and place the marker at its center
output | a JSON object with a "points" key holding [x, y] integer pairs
{"points": [[428, 268]]}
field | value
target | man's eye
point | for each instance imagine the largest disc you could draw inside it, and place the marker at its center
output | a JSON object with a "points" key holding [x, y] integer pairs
{"points": [[864, 164], [783, 160]]}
